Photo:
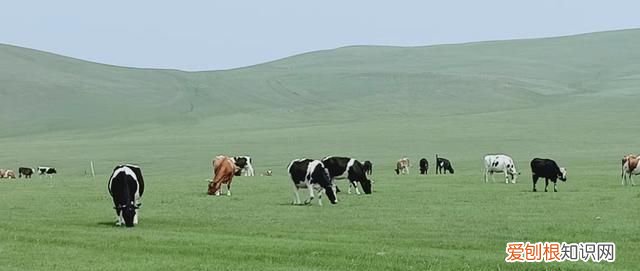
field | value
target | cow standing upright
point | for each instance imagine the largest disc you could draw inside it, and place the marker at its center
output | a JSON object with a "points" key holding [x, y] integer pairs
{"points": [[25, 171], [224, 169], [126, 186], [549, 170], [424, 166], [443, 165], [244, 166], [629, 168], [352, 169], [47, 171], [312, 175], [500, 163], [402, 166]]}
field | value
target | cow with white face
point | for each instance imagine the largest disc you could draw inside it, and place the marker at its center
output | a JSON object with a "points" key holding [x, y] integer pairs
{"points": [[500, 163]]}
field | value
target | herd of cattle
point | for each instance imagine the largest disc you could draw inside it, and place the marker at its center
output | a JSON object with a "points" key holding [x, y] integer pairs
{"points": [[26, 172], [126, 184]]}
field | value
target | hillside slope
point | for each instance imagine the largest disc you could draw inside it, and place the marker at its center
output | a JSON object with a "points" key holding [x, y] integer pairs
{"points": [[46, 92]]}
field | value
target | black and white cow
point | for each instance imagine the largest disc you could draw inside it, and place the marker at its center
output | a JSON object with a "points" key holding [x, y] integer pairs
{"points": [[367, 167], [443, 165], [25, 171], [352, 169], [47, 171], [424, 166], [126, 186], [549, 170], [312, 175], [245, 166], [500, 163]]}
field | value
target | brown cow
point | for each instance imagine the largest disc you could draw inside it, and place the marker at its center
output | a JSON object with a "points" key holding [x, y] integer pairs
{"points": [[1, 173], [630, 167], [223, 171], [9, 174]]}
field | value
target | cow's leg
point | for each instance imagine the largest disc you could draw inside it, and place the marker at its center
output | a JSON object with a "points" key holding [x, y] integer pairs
{"points": [[311, 196], [296, 195], [555, 186], [319, 192], [356, 184], [229, 188], [631, 179], [506, 177], [546, 183], [535, 180]]}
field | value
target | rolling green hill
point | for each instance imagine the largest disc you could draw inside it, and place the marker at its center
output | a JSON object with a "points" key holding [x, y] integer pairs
{"points": [[572, 99]]}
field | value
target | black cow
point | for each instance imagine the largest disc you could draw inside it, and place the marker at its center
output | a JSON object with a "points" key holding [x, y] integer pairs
{"points": [[47, 171], [424, 166], [352, 169], [312, 175], [367, 167], [26, 171], [245, 166], [443, 165], [549, 170], [126, 187]]}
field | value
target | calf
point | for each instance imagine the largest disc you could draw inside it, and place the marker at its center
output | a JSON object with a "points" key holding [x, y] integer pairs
{"points": [[424, 166], [312, 175], [549, 170], [223, 172], [126, 186], [500, 163], [352, 169], [443, 165], [47, 171], [630, 168], [244, 166], [402, 166], [25, 171], [367, 166]]}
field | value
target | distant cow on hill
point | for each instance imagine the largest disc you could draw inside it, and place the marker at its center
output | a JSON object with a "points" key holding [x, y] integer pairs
{"points": [[25, 171], [549, 170], [126, 186], [312, 175], [349, 168], [402, 166], [443, 165], [500, 163], [244, 166], [629, 168], [424, 166], [223, 172]]}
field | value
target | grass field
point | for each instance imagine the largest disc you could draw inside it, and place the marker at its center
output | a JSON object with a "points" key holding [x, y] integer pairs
{"points": [[571, 99]]}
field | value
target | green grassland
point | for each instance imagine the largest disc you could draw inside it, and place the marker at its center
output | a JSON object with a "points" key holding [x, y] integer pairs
{"points": [[572, 99]]}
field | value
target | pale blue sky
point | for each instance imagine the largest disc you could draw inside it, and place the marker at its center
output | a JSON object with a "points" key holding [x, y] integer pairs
{"points": [[208, 35]]}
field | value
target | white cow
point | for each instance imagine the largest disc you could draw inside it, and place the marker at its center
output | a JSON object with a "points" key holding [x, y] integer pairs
{"points": [[497, 163]]}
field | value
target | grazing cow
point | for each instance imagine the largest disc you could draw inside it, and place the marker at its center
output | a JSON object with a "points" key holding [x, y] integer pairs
{"points": [[47, 171], [223, 172], [549, 170], [352, 169], [424, 166], [245, 166], [126, 186], [443, 165], [402, 166], [312, 175], [630, 168], [367, 166], [500, 163], [25, 171], [9, 174]]}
